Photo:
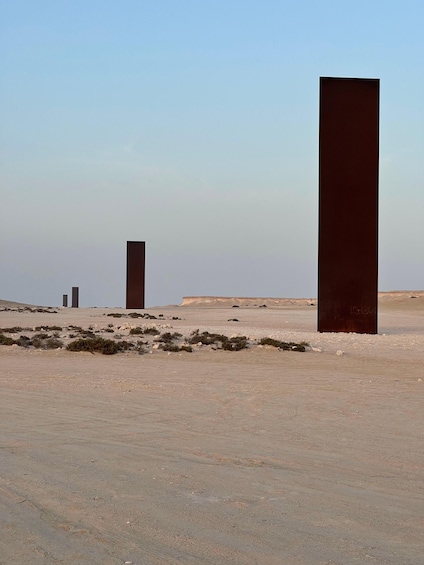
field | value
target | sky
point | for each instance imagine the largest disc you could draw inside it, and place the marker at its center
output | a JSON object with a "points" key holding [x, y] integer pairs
{"points": [[192, 125]]}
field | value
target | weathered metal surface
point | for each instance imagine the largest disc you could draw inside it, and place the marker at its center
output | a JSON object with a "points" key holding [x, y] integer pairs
{"points": [[75, 296], [136, 256], [65, 301], [348, 205]]}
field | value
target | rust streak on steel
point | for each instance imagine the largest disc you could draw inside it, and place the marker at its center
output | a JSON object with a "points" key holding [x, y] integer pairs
{"points": [[348, 205], [136, 257]]}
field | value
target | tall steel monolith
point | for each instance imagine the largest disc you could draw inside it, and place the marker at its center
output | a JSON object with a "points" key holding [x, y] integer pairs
{"points": [[75, 297], [65, 300], [136, 258], [348, 205]]}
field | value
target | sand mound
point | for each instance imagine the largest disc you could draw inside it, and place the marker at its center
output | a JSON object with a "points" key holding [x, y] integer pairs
{"points": [[11, 304]]}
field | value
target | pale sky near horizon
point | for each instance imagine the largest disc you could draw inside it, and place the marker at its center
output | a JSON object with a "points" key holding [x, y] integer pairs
{"points": [[193, 126]]}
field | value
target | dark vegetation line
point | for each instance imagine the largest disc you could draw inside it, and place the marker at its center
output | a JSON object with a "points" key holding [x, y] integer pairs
{"points": [[48, 337]]}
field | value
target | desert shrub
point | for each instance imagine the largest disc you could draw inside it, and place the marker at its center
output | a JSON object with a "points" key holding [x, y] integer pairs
{"points": [[81, 344], [229, 344], [270, 341], [81, 331], [109, 330], [169, 347], [87, 333], [284, 345], [300, 346], [39, 341], [105, 346], [5, 340], [42, 335], [94, 344], [52, 343], [23, 341], [14, 330], [139, 347], [207, 338], [145, 315], [115, 315], [169, 337], [151, 331], [235, 343], [48, 328], [136, 331]]}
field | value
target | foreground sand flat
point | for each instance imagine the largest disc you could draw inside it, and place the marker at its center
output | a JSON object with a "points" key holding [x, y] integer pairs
{"points": [[251, 457]]}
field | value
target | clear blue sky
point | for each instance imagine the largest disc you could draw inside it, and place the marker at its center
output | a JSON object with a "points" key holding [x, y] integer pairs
{"points": [[193, 126]]}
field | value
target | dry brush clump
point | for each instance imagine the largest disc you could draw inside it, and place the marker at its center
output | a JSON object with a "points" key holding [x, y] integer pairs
{"points": [[47, 343], [169, 337], [284, 345], [133, 315], [105, 346], [6, 340], [236, 343], [166, 342], [151, 331], [39, 341], [94, 344]]}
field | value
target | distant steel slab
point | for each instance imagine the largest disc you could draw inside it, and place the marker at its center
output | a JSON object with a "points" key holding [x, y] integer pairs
{"points": [[136, 257], [65, 301], [348, 205], [75, 296]]}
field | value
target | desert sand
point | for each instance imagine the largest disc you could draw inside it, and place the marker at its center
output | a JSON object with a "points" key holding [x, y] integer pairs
{"points": [[257, 456]]}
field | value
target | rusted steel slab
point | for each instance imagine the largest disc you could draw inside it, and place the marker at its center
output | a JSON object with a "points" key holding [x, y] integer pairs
{"points": [[348, 205], [75, 296], [136, 258], [65, 301]]}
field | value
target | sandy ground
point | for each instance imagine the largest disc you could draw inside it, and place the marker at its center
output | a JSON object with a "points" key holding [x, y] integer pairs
{"points": [[214, 457]]}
